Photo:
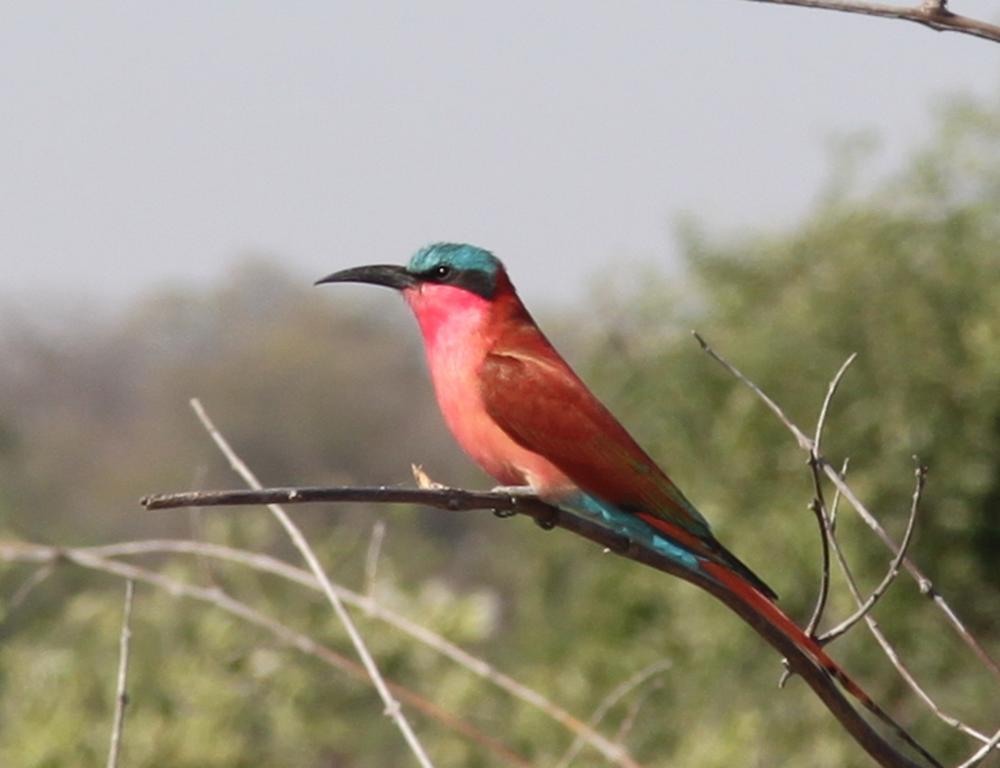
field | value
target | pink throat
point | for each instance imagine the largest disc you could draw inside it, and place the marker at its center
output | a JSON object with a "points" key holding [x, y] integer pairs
{"points": [[448, 316]]}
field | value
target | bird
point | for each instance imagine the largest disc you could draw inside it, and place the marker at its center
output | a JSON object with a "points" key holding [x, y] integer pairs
{"points": [[518, 409]]}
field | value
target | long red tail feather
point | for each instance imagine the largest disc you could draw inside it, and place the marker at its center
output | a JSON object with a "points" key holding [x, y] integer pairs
{"points": [[777, 618]]}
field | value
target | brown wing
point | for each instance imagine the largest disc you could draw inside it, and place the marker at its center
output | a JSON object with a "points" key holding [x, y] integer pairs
{"points": [[537, 399]]}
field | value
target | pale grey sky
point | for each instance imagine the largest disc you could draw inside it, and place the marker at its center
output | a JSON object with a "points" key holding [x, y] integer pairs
{"points": [[148, 141]]}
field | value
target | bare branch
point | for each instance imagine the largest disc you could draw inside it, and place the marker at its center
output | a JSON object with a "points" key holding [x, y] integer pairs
{"points": [[818, 505], [266, 564], [825, 408], [392, 708], [90, 559], [804, 442], [930, 13], [979, 755], [121, 696], [890, 651], [892, 573], [924, 583]]}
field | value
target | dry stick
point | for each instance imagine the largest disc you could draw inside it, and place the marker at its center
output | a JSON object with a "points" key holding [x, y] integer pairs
{"points": [[925, 584], [819, 504], [836, 496], [121, 697], [979, 755], [268, 564], [91, 558], [617, 694], [548, 517], [887, 647], [892, 573], [930, 13], [392, 708]]}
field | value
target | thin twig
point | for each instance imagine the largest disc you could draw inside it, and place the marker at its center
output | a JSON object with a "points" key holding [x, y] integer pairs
{"points": [[979, 755], [818, 505], [371, 557], [835, 504], [92, 560], [930, 13], [632, 715], [38, 576], [891, 652], [892, 573], [824, 410], [923, 582], [392, 707], [267, 564], [121, 695], [619, 692]]}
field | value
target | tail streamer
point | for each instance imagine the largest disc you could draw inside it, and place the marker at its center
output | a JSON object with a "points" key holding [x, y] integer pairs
{"points": [[777, 618]]}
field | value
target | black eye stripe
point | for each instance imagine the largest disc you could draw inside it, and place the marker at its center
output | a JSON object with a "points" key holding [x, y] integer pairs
{"points": [[475, 280]]}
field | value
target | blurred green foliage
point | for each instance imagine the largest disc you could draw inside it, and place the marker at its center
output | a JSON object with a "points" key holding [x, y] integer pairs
{"points": [[317, 388]]}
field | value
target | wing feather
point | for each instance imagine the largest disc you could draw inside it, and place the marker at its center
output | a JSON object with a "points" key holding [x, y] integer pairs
{"points": [[546, 408], [537, 399]]}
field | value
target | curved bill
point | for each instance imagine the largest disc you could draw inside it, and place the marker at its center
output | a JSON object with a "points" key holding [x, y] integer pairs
{"points": [[389, 275]]}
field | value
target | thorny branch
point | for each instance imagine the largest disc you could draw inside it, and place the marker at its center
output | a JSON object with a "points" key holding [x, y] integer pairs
{"points": [[930, 13]]}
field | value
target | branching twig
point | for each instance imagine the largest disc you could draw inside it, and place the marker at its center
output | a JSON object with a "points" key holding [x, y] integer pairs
{"points": [[924, 583], [890, 651], [266, 564], [980, 754], [91, 559], [392, 708], [818, 505], [930, 13], [892, 573], [844, 491], [121, 695]]}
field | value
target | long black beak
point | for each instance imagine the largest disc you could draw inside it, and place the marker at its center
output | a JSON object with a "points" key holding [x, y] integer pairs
{"points": [[388, 275]]}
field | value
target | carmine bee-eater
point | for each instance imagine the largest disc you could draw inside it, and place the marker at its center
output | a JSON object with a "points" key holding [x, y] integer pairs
{"points": [[518, 409]]}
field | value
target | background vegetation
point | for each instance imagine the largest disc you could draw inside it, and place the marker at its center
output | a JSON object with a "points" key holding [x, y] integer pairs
{"points": [[320, 387]]}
